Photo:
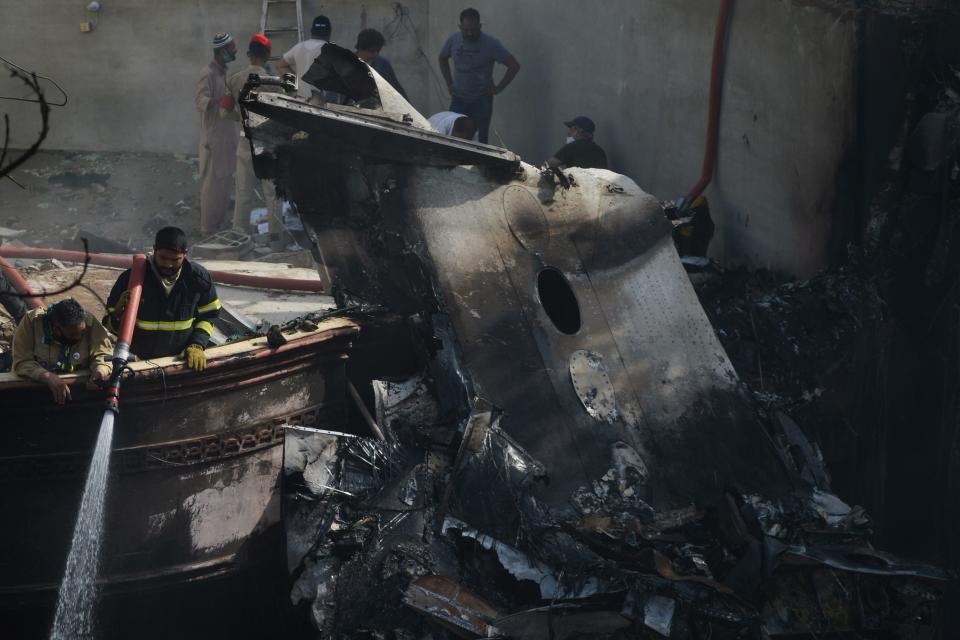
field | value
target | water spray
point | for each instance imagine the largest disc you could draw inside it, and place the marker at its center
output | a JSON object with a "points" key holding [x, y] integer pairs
{"points": [[76, 600]]}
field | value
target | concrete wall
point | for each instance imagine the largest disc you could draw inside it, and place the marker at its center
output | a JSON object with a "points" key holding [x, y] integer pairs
{"points": [[131, 81], [641, 70]]}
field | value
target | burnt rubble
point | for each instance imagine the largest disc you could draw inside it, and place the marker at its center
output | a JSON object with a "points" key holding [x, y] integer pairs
{"points": [[865, 356], [567, 450], [380, 547]]}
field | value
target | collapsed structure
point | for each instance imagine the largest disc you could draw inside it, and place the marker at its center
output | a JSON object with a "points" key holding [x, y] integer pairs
{"points": [[566, 450]]}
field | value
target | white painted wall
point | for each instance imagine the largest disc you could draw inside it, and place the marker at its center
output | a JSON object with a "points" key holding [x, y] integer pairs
{"points": [[131, 81], [639, 68]]}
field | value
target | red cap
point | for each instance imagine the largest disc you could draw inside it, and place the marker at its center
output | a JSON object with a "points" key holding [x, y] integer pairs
{"points": [[262, 39]]}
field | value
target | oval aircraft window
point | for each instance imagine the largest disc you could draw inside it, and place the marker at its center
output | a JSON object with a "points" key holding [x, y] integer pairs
{"points": [[558, 301]]}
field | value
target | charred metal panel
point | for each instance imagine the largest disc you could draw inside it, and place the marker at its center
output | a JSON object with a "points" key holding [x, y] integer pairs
{"points": [[339, 70], [374, 136], [606, 454], [675, 391]]}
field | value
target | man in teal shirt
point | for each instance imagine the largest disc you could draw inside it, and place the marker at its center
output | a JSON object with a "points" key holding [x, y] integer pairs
{"points": [[471, 85]]}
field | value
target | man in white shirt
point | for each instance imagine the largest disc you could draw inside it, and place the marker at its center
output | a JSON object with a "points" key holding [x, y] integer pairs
{"points": [[451, 123], [299, 59]]}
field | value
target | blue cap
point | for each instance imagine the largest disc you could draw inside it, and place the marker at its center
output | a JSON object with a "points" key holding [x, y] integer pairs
{"points": [[321, 23], [583, 122]]}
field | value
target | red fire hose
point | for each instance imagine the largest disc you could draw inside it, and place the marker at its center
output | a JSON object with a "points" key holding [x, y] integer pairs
{"points": [[114, 260], [121, 352], [136, 288], [30, 299], [713, 118]]}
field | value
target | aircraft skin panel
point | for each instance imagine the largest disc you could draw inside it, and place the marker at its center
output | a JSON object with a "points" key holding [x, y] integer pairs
{"points": [[638, 314]]}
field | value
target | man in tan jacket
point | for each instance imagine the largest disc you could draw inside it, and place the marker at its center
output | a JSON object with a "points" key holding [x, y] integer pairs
{"points": [[218, 138], [61, 339], [246, 200]]}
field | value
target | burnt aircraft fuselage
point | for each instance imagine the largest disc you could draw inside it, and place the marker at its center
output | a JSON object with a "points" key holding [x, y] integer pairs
{"points": [[558, 300]]}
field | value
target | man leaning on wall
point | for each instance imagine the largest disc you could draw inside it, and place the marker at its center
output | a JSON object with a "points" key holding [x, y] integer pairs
{"points": [[61, 339], [178, 306], [218, 138]]}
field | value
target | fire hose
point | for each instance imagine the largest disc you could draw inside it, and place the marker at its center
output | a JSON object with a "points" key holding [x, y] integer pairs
{"points": [[29, 298], [713, 115], [114, 260], [121, 352]]}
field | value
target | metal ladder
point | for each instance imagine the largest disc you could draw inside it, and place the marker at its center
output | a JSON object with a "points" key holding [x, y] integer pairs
{"points": [[266, 30]]}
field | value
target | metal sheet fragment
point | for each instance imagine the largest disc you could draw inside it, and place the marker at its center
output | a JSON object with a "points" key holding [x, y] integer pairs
{"points": [[658, 614], [560, 622], [524, 567], [452, 605], [593, 386]]}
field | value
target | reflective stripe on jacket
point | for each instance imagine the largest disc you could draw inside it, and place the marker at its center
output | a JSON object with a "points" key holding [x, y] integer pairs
{"points": [[167, 324]]}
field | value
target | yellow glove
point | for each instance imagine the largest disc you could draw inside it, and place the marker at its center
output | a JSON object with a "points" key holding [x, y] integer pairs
{"points": [[122, 303], [196, 358], [113, 318]]}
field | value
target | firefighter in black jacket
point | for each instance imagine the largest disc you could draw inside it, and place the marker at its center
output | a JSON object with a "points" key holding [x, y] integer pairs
{"points": [[177, 307]]}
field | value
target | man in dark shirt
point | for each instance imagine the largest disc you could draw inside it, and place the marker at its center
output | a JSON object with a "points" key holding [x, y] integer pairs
{"points": [[369, 44], [178, 305], [580, 150]]}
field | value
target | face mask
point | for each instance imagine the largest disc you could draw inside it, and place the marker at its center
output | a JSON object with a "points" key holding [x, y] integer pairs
{"points": [[570, 139], [227, 58]]}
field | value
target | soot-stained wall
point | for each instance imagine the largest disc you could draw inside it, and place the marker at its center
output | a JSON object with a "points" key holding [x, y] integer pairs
{"points": [[641, 70]]}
